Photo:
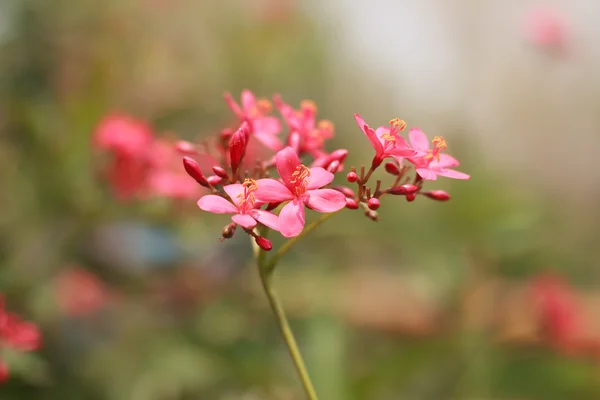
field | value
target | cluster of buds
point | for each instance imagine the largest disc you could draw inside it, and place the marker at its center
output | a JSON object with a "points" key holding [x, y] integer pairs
{"points": [[243, 185], [17, 334]]}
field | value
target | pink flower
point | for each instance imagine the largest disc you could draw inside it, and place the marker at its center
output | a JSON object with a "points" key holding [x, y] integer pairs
{"points": [[432, 163], [546, 28], [253, 111], [306, 135], [79, 293], [387, 142], [122, 134], [243, 208], [301, 187], [18, 334]]}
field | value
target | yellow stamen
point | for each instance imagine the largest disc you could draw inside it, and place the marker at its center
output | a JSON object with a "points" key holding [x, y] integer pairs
{"points": [[299, 179], [264, 106], [398, 123], [247, 198], [309, 105], [388, 137], [439, 143], [325, 124]]}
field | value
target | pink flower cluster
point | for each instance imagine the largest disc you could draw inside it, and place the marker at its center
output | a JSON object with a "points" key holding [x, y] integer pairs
{"points": [[242, 182], [18, 334]]}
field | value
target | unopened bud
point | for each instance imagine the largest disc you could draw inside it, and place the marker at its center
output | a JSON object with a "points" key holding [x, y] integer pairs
{"points": [[439, 195], [351, 204], [272, 206], [410, 197], [237, 146], [372, 215], [214, 180], [392, 168], [220, 172], [344, 190], [351, 177], [403, 190], [334, 166], [193, 170], [186, 148], [373, 203], [263, 243], [229, 230]]}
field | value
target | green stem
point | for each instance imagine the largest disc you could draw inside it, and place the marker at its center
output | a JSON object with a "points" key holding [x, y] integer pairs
{"points": [[286, 332]]}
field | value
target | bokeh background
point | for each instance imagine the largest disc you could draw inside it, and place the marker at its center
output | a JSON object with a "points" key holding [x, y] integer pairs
{"points": [[493, 295]]}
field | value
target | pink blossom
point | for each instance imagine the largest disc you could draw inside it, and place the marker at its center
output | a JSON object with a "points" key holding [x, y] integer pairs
{"points": [[301, 187], [387, 142], [306, 135], [243, 208], [433, 162], [80, 293], [253, 111], [122, 134], [547, 28]]}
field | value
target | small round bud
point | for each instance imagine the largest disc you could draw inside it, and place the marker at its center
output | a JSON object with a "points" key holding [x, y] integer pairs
{"points": [[403, 190], [344, 190], [229, 230], [193, 170], [220, 172], [351, 204], [373, 203], [263, 243], [214, 180], [410, 197], [392, 168], [352, 177], [439, 195]]}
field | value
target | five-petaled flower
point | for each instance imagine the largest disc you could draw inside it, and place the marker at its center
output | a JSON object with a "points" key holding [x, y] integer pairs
{"points": [[301, 186], [387, 142], [433, 162], [262, 126], [244, 206]]}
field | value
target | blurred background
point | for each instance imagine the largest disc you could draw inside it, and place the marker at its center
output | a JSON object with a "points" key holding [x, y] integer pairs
{"points": [[493, 295]]}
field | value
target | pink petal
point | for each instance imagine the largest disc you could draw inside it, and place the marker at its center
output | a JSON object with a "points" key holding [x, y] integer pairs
{"points": [[450, 173], [272, 191], [233, 105], [266, 218], [360, 122], [217, 205], [270, 125], [401, 152], [244, 220], [291, 219], [418, 140], [248, 100], [446, 161], [269, 140], [287, 161], [380, 132], [427, 174], [234, 191], [325, 200], [319, 177]]}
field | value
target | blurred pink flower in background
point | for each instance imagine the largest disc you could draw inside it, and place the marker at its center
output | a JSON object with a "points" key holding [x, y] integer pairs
{"points": [[547, 28], [79, 292], [18, 334]]}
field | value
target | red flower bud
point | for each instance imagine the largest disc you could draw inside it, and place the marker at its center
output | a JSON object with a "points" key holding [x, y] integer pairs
{"points": [[439, 195], [193, 170], [229, 230], [263, 243], [214, 180], [352, 177], [403, 190], [392, 168], [186, 148], [237, 146], [410, 197], [344, 190], [373, 203], [220, 172], [351, 204], [272, 206]]}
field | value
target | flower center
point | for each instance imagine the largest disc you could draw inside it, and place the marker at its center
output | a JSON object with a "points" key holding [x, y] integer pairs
{"points": [[299, 179], [262, 107], [439, 145], [247, 198], [398, 124]]}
